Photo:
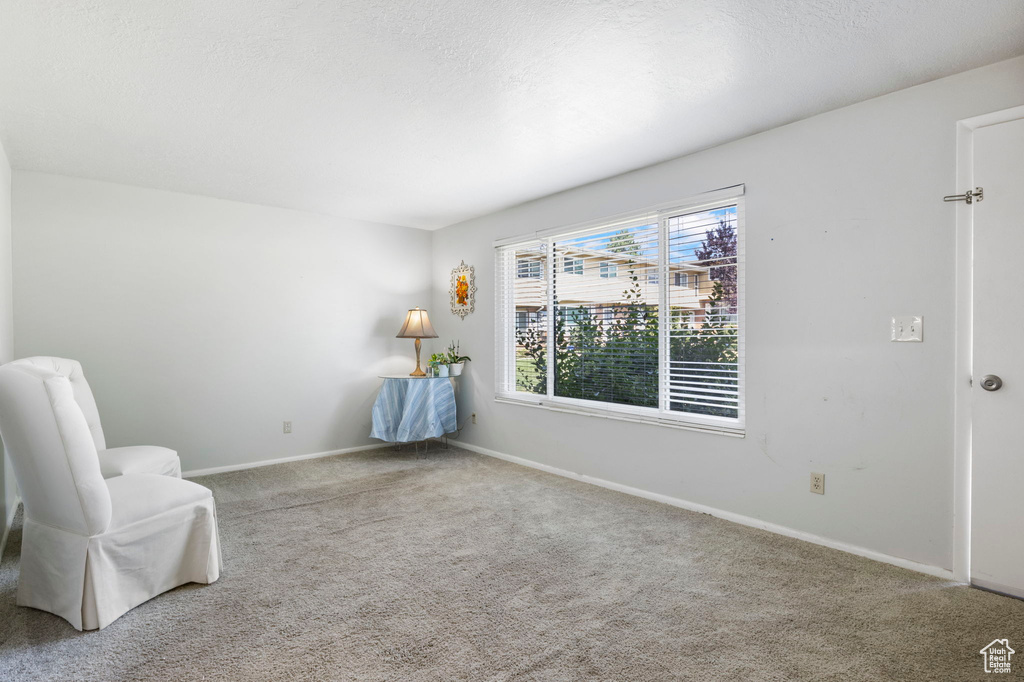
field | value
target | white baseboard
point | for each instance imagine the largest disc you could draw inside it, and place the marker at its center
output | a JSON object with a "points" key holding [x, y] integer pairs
{"points": [[8, 522], [280, 460], [720, 513]]}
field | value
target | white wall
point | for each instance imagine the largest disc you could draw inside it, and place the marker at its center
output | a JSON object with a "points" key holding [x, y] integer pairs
{"points": [[845, 228], [8, 488], [203, 324]]}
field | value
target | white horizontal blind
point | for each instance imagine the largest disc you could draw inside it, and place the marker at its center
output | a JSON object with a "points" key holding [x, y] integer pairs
{"points": [[522, 307], [605, 298], [705, 351], [639, 317]]}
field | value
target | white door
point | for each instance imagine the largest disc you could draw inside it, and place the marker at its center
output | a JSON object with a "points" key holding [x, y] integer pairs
{"points": [[997, 448]]}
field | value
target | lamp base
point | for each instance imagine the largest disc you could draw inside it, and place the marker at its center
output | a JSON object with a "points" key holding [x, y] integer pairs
{"points": [[417, 372]]}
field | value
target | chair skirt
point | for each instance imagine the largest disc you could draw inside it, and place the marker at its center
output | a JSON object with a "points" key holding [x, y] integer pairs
{"points": [[92, 581]]}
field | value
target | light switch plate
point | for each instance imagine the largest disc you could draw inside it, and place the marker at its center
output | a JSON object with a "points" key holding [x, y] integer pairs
{"points": [[908, 328]]}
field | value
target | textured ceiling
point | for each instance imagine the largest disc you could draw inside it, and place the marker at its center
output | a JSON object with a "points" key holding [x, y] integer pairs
{"points": [[428, 112]]}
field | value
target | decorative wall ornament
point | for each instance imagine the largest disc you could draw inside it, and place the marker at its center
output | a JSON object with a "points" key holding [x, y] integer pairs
{"points": [[463, 290]]}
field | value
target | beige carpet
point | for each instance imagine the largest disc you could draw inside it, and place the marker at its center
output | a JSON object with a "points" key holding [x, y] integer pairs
{"points": [[386, 565]]}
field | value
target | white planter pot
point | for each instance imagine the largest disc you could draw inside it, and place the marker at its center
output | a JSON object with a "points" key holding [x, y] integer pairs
{"points": [[455, 369], [442, 370]]}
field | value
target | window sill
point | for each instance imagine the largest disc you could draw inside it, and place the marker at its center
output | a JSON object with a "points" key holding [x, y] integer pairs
{"points": [[659, 420]]}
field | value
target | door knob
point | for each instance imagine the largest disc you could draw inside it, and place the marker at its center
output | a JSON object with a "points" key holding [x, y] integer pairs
{"points": [[990, 382]]}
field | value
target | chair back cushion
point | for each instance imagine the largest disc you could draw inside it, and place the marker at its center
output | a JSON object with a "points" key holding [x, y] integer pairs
{"points": [[52, 451], [72, 369]]}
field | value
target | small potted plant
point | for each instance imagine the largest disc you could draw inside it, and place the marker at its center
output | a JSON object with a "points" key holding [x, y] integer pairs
{"points": [[456, 361], [439, 363]]}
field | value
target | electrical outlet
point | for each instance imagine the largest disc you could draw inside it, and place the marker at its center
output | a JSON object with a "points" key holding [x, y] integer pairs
{"points": [[287, 427], [473, 417], [817, 483]]}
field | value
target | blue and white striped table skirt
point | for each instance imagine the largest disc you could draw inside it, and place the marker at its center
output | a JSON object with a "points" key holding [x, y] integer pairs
{"points": [[410, 410]]}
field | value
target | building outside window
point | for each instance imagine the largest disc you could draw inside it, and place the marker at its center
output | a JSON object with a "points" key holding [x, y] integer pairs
{"points": [[529, 269]]}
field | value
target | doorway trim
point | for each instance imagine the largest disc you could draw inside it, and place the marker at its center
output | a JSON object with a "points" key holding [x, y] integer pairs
{"points": [[964, 337]]}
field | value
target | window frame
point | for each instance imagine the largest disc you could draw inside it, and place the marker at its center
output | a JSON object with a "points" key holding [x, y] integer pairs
{"points": [[504, 333]]}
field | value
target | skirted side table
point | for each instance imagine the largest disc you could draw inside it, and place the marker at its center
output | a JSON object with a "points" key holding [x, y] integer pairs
{"points": [[410, 409]]}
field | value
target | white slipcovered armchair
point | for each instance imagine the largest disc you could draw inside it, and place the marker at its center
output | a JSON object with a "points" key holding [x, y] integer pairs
{"points": [[133, 459], [92, 549]]}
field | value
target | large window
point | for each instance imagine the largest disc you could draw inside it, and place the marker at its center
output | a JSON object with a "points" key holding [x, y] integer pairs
{"points": [[623, 345]]}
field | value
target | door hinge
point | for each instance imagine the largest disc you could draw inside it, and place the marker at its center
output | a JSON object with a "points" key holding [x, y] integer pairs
{"points": [[970, 197]]}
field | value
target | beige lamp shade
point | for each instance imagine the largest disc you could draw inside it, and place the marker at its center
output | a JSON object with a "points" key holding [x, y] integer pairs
{"points": [[417, 326]]}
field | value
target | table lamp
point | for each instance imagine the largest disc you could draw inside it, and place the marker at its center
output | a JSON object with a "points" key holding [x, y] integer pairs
{"points": [[417, 326]]}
